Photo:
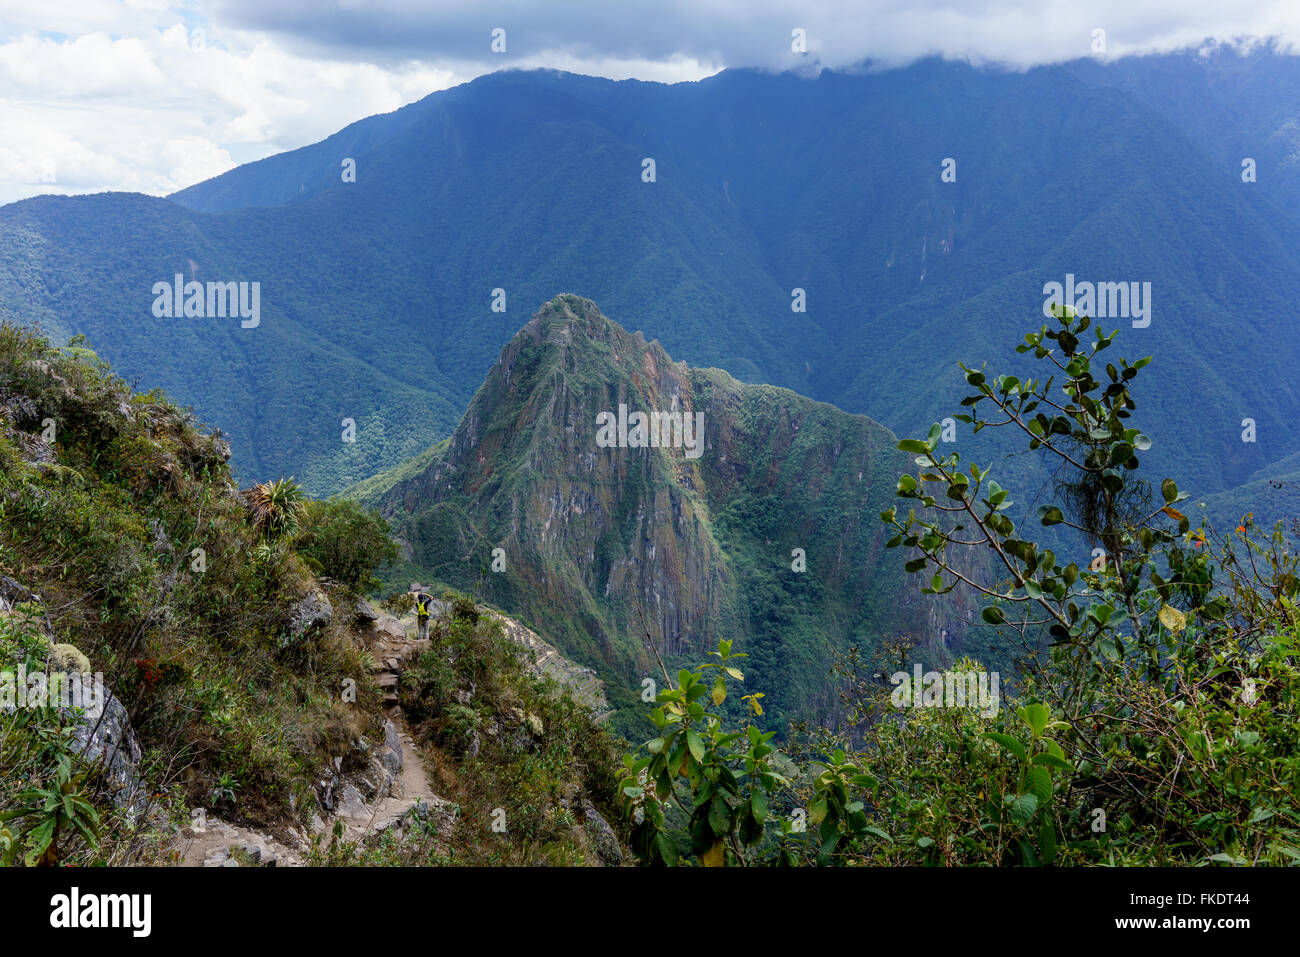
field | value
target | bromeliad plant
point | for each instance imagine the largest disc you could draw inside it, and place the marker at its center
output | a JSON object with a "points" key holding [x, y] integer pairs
{"points": [[277, 508]]}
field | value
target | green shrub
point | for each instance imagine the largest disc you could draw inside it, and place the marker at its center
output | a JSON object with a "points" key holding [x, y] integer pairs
{"points": [[346, 542]]}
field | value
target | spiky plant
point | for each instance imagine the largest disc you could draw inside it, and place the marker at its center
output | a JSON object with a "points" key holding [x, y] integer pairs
{"points": [[277, 508]]}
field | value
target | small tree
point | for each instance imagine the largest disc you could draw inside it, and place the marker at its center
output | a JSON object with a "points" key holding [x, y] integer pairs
{"points": [[346, 542], [1083, 425], [1153, 687]]}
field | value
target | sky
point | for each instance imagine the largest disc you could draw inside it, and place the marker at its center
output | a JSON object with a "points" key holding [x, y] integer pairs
{"points": [[152, 96]]}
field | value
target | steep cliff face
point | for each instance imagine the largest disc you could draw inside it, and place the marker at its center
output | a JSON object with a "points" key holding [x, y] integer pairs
{"points": [[729, 511]]}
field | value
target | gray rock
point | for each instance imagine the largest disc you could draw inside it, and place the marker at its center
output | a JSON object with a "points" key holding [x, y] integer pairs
{"points": [[351, 803], [392, 753], [311, 611], [34, 449], [375, 782], [12, 593], [105, 739], [601, 836], [327, 788]]}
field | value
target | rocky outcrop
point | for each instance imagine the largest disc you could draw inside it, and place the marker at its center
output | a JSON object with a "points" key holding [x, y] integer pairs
{"points": [[100, 729], [601, 836], [311, 611]]}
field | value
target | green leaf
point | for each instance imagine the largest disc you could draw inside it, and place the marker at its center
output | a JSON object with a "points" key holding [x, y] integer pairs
{"points": [[878, 833], [695, 743], [1008, 742], [1047, 841], [1169, 490], [719, 817], [667, 850], [1022, 807], [993, 615], [1228, 859], [1036, 716], [1040, 783], [38, 840], [829, 842], [1048, 759]]}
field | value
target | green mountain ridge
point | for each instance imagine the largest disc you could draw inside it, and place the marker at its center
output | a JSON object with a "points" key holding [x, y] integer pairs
{"points": [[601, 547], [377, 296]]}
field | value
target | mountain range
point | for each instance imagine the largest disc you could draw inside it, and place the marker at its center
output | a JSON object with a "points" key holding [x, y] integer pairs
{"points": [[385, 301]]}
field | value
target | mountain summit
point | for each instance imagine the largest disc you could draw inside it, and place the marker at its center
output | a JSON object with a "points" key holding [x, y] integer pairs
{"points": [[606, 493]]}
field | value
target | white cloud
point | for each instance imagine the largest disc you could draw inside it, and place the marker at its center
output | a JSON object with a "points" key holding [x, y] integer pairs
{"points": [[154, 96], [164, 108]]}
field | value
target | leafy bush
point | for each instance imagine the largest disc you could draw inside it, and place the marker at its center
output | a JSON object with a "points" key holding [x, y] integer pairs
{"points": [[504, 741], [346, 542], [1158, 715]]}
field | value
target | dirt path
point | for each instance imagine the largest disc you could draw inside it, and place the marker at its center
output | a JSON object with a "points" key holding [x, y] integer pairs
{"points": [[227, 845], [410, 790], [220, 844]]}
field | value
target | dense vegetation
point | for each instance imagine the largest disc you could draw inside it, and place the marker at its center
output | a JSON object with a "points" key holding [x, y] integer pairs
{"points": [[127, 549], [1160, 726], [124, 539], [519, 759]]}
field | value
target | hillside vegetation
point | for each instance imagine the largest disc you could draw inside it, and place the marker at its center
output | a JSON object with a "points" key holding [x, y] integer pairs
{"points": [[230, 632], [1160, 727]]}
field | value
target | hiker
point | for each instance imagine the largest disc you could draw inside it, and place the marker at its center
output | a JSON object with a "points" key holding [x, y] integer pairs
{"points": [[423, 605]]}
